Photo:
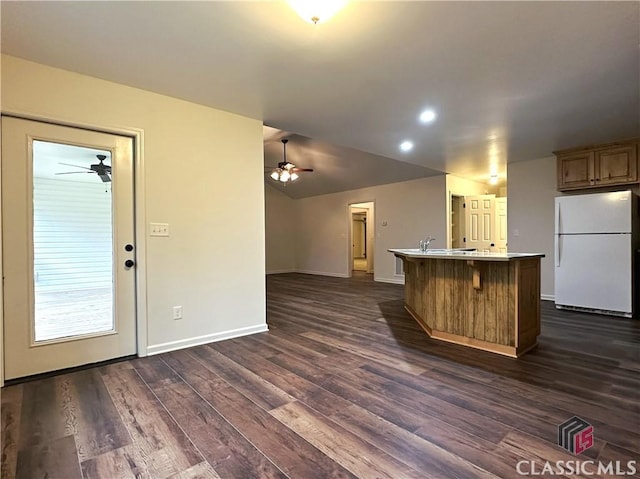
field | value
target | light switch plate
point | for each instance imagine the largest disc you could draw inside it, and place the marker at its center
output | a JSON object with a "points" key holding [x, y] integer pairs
{"points": [[158, 229]]}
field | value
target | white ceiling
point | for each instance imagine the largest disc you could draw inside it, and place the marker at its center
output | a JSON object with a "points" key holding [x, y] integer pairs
{"points": [[510, 81]]}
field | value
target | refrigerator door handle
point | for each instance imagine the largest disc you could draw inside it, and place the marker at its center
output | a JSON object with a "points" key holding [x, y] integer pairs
{"points": [[558, 250], [558, 219]]}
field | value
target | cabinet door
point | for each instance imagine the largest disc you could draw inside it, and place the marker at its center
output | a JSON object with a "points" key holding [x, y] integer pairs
{"points": [[617, 165], [575, 170]]}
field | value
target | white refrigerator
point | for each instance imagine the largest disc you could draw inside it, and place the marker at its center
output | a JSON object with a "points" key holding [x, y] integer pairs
{"points": [[595, 247]]}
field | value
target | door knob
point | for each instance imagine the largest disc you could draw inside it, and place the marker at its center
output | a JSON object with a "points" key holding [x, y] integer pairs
{"points": [[128, 247], [129, 263]]}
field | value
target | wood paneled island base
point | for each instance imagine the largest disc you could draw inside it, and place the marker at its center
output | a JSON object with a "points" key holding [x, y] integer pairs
{"points": [[487, 301]]}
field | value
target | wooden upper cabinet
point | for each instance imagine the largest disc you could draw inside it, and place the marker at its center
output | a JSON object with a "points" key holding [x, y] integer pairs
{"points": [[601, 165], [575, 170], [615, 166]]}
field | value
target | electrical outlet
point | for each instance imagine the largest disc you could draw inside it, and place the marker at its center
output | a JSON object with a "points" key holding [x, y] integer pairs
{"points": [[177, 312]]}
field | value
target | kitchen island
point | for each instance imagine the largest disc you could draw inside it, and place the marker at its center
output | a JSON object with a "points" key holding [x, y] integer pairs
{"points": [[488, 301]]}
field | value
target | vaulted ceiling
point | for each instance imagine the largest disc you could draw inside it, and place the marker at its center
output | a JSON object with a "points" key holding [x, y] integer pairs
{"points": [[509, 81]]}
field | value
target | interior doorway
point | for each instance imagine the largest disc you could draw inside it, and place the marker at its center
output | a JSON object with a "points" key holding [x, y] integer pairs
{"points": [[362, 237], [359, 245], [478, 221]]}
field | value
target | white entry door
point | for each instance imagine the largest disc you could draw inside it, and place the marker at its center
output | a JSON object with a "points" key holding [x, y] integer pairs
{"points": [[68, 247], [479, 220]]}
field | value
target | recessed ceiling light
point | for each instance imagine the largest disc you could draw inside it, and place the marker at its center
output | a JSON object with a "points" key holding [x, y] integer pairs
{"points": [[406, 146], [427, 116]]}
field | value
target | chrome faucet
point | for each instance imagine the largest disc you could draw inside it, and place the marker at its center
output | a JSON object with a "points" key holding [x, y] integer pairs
{"points": [[424, 244]]}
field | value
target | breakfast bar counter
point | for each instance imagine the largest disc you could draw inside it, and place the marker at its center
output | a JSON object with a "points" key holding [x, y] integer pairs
{"points": [[488, 301]]}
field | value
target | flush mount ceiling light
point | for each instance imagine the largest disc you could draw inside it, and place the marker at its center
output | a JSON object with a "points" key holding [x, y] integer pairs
{"points": [[427, 116], [493, 179], [406, 146], [318, 11]]}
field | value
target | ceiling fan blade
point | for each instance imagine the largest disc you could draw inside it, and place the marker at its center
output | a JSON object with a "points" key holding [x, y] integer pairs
{"points": [[73, 172], [105, 178], [301, 169], [75, 166]]}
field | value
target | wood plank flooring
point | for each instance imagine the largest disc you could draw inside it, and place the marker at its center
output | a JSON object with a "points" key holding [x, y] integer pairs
{"points": [[345, 384]]}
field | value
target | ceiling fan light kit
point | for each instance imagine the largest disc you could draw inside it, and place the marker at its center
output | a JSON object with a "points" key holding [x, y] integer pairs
{"points": [[286, 172]]}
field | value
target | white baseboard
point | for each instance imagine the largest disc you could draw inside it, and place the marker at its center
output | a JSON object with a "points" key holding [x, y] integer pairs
{"points": [[207, 338], [547, 297], [323, 273], [398, 280], [281, 271]]}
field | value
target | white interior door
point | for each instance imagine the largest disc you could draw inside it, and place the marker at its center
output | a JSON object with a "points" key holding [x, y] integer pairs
{"points": [[500, 241], [479, 220], [68, 247]]}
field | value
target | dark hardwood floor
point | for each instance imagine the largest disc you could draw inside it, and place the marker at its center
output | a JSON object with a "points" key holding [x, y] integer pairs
{"points": [[345, 384]]}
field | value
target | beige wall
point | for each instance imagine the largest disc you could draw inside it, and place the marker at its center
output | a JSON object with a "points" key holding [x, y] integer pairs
{"points": [[211, 216], [411, 210], [532, 189], [280, 240]]}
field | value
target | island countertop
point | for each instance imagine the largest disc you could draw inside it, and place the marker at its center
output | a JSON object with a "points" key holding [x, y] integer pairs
{"points": [[488, 301], [463, 254]]}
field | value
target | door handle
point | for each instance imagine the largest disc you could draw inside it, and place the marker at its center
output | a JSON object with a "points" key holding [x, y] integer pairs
{"points": [[128, 247], [129, 263], [558, 246]]}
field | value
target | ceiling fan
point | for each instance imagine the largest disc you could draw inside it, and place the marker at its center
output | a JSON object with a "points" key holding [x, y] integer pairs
{"points": [[286, 171], [102, 170]]}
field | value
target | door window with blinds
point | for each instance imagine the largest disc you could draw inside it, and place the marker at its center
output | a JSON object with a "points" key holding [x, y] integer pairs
{"points": [[72, 242]]}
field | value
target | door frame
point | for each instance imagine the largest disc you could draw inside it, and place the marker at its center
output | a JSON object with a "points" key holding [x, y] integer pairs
{"points": [[137, 135], [371, 244], [451, 195]]}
